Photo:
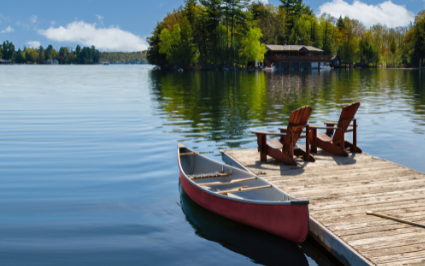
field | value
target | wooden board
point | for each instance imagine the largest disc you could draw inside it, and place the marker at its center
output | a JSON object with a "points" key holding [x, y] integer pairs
{"points": [[341, 190]]}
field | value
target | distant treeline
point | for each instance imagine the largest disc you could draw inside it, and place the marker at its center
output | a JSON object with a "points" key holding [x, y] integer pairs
{"points": [[224, 32], [40, 55], [124, 58], [67, 55]]}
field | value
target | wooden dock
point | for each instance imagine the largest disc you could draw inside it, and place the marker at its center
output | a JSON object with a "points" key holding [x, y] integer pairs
{"points": [[341, 190]]}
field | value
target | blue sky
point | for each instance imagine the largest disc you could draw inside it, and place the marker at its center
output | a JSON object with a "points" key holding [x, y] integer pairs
{"points": [[124, 25]]}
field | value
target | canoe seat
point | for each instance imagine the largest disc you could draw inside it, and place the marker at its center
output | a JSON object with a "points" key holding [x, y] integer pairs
{"points": [[324, 137], [209, 175]]}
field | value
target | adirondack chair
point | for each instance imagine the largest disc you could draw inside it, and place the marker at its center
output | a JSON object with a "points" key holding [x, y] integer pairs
{"points": [[333, 140], [284, 149]]}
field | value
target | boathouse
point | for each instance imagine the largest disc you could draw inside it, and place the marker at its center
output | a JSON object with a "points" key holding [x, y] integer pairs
{"points": [[8, 62], [295, 56], [335, 61]]}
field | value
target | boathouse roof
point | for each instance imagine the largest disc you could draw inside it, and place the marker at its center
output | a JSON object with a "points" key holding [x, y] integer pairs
{"points": [[335, 57], [273, 47]]}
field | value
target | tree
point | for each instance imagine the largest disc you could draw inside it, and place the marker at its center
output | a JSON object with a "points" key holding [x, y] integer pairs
{"points": [[418, 38], [327, 28], [293, 11], [95, 54], [237, 18], [253, 48], [212, 15], [41, 55], [19, 57], [190, 11], [170, 44], [31, 55], [50, 52], [187, 45], [8, 50]]}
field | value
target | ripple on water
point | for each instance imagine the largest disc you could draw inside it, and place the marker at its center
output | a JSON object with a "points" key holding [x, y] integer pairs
{"points": [[88, 164]]}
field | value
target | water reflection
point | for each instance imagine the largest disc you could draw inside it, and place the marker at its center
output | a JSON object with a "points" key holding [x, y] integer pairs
{"points": [[259, 246], [224, 106]]}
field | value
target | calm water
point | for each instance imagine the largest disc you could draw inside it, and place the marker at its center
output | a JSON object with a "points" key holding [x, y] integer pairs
{"points": [[88, 167]]}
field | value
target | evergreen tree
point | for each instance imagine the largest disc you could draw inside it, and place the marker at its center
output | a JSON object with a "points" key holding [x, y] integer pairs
{"points": [[340, 23], [8, 50], [187, 45], [212, 15], [418, 40], [293, 11], [190, 11], [19, 57], [41, 55]]}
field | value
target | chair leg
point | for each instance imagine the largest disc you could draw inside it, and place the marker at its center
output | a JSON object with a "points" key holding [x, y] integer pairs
{"points": [[299, 152], [313, 137], [353, 147], [332, 148], [307, 143], [280, 156], [262, 147]]}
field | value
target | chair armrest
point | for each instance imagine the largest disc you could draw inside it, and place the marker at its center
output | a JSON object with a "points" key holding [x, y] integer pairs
{"points": [[319, 127], [269, 133]]}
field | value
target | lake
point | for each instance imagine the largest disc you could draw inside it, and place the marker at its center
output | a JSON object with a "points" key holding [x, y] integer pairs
{"points": [[88, 166]]}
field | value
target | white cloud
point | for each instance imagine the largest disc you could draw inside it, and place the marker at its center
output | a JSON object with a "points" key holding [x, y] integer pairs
{"points": [[100, 18], [385, 13], [265, 2], [7, 30], [109, 39], [33, 44], [33, 19]]}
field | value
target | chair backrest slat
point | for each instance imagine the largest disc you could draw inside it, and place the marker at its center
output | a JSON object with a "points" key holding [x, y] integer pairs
{"points": [[347, 114], [298, 117]]}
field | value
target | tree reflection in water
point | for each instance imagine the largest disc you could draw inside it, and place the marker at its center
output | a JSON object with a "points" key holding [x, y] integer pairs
{"points": [[223, 107]]}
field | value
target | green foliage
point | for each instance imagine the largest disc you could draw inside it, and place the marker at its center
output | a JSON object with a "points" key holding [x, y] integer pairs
{"points": [[253, 49], [123, 57], [215, 33], [19, 57], [417, 45], [65, 55], [7, 50], [293, 10]]}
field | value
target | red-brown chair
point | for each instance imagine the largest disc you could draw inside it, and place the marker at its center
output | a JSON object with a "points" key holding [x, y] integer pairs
{"points": [[333, 140], [285, 148]]}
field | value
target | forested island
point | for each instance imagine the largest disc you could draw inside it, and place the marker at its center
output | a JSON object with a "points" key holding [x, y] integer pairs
{"points": [[227, 33], [67, 55], [124, 57]]}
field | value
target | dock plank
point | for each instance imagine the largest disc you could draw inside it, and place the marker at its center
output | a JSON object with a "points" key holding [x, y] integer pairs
{"points": [[340, 191]]}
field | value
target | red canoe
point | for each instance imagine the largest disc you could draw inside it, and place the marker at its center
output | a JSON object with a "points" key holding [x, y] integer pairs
{"points": [[242, 196]]}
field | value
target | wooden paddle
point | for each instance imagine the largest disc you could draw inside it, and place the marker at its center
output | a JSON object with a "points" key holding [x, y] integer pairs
{"points": [[395, 219]]}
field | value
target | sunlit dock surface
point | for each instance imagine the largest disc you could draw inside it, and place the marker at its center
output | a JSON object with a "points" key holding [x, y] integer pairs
{"points": [[341, 190]]}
